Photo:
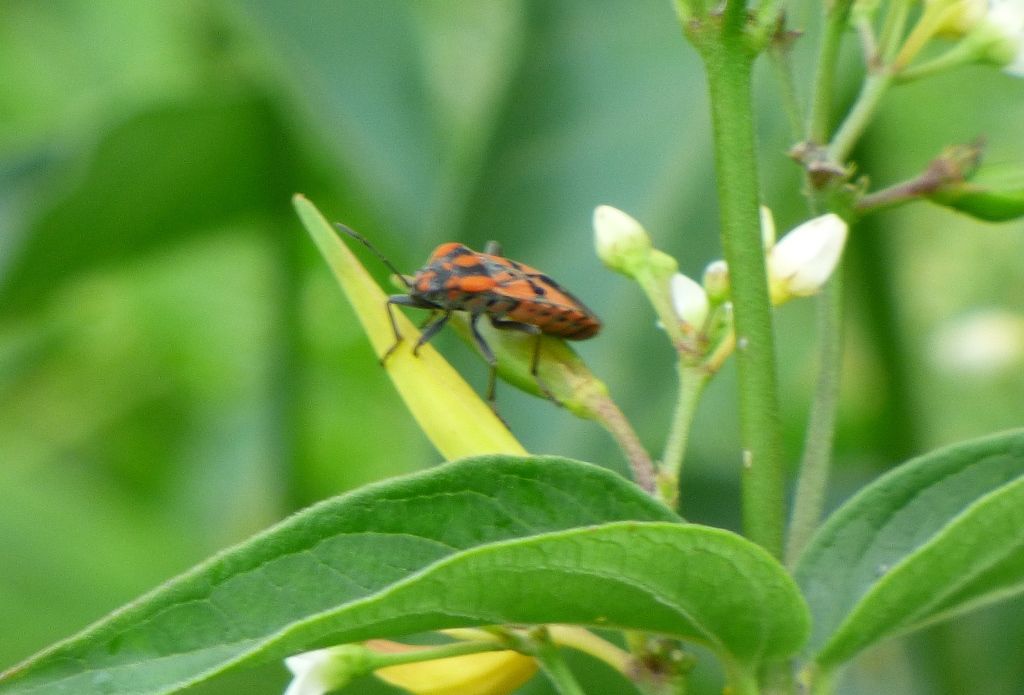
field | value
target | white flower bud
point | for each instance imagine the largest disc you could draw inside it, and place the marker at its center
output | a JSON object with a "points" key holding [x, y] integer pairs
{"points": [[320, 671], [956, 17], [716, 281], [803, 260], [1003, 24], [690, 301], [621, 241]]}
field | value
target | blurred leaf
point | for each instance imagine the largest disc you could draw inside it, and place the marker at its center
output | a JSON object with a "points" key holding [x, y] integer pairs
{"points": [[162, 175], [939, 535], [405, 94], [279, 592], [448, 410]]}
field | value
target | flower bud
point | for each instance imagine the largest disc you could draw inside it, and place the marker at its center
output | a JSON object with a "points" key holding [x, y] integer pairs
{"points": [[803, 260], [324, 670], [995, 193], [690, 301], [486, 673], [622, 243], [955, 18], [716, 281], [1003, 25]]}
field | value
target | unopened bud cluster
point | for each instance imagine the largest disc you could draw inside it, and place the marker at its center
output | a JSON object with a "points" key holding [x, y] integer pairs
{"points": [[798, 265]]}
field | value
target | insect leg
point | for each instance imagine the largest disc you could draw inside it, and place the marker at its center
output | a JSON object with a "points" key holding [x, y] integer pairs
{"points": [[535, 359], [401, 300], [493, 248], [430, 330], [485, 349]]}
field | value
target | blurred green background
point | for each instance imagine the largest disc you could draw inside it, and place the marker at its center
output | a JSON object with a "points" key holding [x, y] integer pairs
{"points": [[178, 370]]}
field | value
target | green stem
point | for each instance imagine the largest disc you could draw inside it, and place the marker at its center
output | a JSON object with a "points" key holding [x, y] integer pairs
{"points": [[585, 641], [614, 421], [692, 381], [729, 64], [780, 55], [377, 660], [734, 17], [836, 19], [927, 26], [879, 78], [892, 32], [963, 53], [868, 42], [818, 681], [554, 666], [690, 10], [812, 481], [860, 115], [741, 681]]}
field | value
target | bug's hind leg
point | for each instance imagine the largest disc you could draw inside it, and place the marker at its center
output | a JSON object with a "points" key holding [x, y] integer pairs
{"points": [[492, 361], [535, 358]]}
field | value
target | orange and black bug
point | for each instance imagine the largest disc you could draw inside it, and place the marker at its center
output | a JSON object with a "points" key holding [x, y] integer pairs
{"points": [[511, 295]]}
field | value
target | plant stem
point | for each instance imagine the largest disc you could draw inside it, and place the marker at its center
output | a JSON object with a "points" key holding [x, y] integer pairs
{"points": [[376, 659], [741, 682], [824, 78], [880, 77], [554, 666], [585, 641], [780, 55], [614, 421], [692, 381], [734, 17], [812, 481], [860, 115], [729, 61], [963, 53], [819, 681], [892, 31]]}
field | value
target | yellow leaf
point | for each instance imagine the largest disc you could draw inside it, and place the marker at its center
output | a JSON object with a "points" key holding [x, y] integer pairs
{"points": [[455, 419]]}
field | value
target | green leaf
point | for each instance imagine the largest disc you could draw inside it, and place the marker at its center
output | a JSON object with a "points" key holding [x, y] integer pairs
{"points": [[480, 541], [939, 535]]}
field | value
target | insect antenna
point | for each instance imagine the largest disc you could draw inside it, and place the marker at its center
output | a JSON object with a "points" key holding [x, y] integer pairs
{"points": [[366, 242]]}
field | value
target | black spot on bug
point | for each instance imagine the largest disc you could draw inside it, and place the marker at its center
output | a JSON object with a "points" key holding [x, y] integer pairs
{"points": [[547, 279], [538, 289], [470, 270]]}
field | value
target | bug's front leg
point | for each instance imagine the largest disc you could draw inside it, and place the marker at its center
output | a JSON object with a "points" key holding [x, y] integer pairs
{"points": [[401, 300]]}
